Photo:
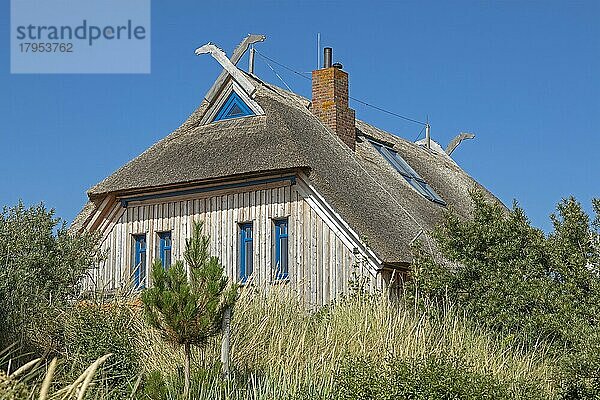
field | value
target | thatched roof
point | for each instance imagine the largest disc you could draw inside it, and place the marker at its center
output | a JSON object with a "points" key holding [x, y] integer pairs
{"points": [[372, 197]]}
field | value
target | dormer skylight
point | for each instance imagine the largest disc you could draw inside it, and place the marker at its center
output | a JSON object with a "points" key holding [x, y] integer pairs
{"points": [[411, 176]]}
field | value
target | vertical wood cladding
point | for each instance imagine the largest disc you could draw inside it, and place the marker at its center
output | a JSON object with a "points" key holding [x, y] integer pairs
{"points": [[320, 263]]}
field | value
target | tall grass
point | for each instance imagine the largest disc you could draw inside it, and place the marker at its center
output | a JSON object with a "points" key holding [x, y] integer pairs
{"points": [[279, 349], [282, 350], [18, 385]]}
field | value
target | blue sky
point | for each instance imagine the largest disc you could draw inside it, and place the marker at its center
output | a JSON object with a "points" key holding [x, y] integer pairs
{"points": [[522, 75]]}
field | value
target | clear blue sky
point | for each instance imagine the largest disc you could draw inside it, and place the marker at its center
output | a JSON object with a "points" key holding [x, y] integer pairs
{"points": [[523, 75]]}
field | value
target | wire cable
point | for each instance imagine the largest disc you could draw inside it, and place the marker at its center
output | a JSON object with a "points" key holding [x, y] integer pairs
{"points": [[374, 179], [420, 132], [388, 112], [280, 78], [303, 75], [283, 66]]}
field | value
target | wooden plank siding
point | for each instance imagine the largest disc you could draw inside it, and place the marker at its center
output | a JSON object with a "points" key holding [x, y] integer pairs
{"points": [[320, 261]]}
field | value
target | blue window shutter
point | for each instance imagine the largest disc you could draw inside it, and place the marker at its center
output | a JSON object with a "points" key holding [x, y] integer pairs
{"points": [[139, 262], [246, 253], [281, 249], [234, 107], [165, 249]]}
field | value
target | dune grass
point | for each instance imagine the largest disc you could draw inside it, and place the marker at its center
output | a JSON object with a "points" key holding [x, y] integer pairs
{"points": [[23, 385], [279, 349]]}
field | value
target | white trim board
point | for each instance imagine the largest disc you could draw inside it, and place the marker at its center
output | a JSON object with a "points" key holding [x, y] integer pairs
{"points": [[337, 224]]}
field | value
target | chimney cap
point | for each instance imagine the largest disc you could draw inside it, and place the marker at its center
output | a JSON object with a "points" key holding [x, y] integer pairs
{"points": [[337, 65], [327, 56]]}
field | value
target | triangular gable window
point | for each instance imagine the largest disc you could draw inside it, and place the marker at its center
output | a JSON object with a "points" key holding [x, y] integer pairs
{"points": [[234, 107]]}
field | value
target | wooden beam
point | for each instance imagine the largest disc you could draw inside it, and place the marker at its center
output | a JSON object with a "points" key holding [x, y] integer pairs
{"points": [[239, 51], [220, 56], [457, 140]]}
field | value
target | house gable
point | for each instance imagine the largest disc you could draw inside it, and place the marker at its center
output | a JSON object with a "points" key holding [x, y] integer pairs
{"points": [[323, 251]]}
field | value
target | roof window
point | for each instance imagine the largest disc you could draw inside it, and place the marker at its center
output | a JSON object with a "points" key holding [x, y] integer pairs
{"points": [[407, 172]]}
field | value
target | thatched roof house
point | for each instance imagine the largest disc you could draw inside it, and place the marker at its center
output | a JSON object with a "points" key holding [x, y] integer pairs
{"points": [[373, 191]]}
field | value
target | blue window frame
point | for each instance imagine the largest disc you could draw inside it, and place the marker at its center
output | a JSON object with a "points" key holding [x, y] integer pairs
{"points": [[407, 172], [281, 248], [234, 107], [165, 249], [139, 262], [246, 253]]}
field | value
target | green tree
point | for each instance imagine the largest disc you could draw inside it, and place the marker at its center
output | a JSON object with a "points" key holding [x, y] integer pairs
{"points": [[575, 257], [187, 307], [519, 282], [41, 265], [511, 277]]}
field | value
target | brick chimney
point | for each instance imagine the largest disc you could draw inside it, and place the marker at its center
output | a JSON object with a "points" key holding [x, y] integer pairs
{"points": [[330, 100]]}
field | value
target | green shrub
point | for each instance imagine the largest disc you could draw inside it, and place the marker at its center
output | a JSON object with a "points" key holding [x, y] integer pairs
{"points": [[93, 330], [11, 389], [155, 387], [433, 377], [40, 267], [579, 377], [510, 277]]}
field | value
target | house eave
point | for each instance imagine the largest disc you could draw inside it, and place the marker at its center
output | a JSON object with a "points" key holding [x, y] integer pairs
{"points": [[196, 183], [403, 266], [197, 190]]}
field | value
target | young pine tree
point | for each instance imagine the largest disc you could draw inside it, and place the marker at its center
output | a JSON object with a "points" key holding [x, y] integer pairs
{"points": [[187, 307]]}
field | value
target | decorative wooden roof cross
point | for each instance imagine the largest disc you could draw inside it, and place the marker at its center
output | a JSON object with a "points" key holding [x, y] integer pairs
{"points": [[229, 65], [457, 140]]}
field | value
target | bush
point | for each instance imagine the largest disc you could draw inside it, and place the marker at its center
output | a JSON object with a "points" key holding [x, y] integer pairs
{"points": [[40, 267], [155, 386], [93, 330], [433, 377], [579, 377], [510, 277]]}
